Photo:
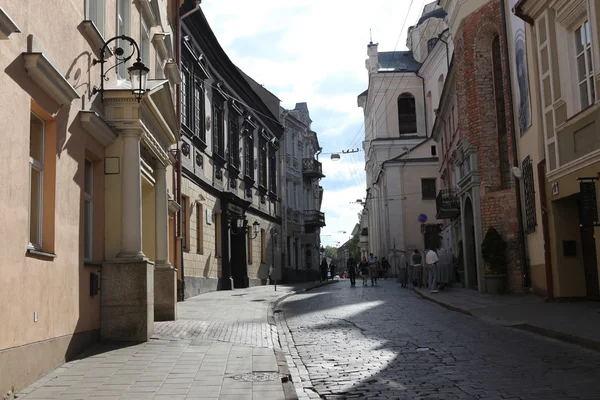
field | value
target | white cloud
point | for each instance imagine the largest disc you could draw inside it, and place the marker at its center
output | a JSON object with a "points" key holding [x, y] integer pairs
{"points": [[340, 214]]}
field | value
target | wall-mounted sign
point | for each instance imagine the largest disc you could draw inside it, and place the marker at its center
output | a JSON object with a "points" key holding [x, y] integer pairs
{"points": [[422, 218], [554, 188]]}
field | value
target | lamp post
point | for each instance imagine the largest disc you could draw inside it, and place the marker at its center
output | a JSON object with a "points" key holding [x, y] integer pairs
{"points": [[138, 72]]}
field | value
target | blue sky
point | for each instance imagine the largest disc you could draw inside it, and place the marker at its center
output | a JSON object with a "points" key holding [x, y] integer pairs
{"points": [[314, 51]]}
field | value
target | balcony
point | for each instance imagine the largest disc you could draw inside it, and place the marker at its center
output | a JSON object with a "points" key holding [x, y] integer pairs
{"points": [[447, 204], [313, 219], [312, 168]]}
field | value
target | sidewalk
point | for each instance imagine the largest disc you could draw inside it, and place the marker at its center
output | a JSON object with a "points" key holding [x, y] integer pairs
{"points": [[224, 345], [573, 322]]}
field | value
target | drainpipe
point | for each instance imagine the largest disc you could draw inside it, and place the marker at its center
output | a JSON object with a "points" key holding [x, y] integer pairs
{"points": [[447, 48], [523, 244], [546, 231], [424, 102]]}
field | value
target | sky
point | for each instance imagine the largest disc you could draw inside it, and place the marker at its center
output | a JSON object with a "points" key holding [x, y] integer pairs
{"points": [[314, 51]]}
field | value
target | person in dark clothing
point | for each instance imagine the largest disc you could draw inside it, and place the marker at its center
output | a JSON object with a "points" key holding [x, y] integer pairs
{"points": [[351, 266], [385, 266], [324, 270], [332, 269]]}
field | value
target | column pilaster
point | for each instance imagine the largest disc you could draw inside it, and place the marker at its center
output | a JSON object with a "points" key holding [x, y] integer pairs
{"points": [[161, 217]]}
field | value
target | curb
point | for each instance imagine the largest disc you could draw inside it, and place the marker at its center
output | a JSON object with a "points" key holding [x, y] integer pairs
{"points": [[289, 390], [549, 333]]}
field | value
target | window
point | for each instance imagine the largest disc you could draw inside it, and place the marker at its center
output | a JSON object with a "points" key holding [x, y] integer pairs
{"points": [[145, 43], [407, 114], [431, 44], [234, 142], [199, 229], [36, 177], [123, 8], [249, 235], [500, 114], [585, 68], [263, 246], [218, 237], [184, 222], [433, 151], [249, 154], [95, 12], [88, 210], [218, 138], [272, 171], [428, 189], [262, 163], [185, 96], [199, 130]]}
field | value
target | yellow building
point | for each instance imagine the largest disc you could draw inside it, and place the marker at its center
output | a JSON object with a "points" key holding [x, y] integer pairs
{"points": [[84, 229], [564, 54]]}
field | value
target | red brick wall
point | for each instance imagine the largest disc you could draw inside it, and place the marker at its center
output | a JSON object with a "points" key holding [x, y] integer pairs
{"points": [[477, 121]]}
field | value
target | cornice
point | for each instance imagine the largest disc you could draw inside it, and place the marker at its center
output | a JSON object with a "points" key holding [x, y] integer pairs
{"points": [[158, 40], [97, 127], [94, 38], [42, 72], [7, 25], [147, 12]]}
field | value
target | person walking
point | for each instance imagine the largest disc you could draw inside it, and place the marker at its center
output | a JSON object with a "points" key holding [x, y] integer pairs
{"points": [[403, 274], [364, 270], [416, 261], [385, 266], [332, 269], [351, 267], [432, 263], [324, 269], [373, 269]]}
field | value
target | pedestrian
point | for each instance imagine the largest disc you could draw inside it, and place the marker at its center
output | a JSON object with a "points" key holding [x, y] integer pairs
{"points": [[403, 275], [364, 270], [332, 270], [351, 266], [385, 266], [432, 264], [373, 269], [416, 260], [324, 269]]}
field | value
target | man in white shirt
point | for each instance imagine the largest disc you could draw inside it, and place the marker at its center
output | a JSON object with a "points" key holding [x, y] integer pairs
{"points": [[432, 259]]}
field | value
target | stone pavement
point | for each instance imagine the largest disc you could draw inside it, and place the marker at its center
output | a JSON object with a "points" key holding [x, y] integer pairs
{"points": [[223, 346], [573, 322], [385, 342]]}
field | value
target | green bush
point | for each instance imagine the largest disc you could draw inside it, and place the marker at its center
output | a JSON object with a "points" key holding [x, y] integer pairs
{"points": [[493, 251]]}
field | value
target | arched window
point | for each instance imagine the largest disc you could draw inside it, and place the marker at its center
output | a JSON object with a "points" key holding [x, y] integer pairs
{"points": [[407, 114], [500, 114]]}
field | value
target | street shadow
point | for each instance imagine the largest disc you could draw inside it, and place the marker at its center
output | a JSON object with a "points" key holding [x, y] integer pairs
{"points": [[385, 341]]}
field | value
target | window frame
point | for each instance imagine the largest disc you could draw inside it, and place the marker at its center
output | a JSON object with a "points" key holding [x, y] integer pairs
{"points": [[88, 199], [38, 166], [218, 122], [588, 59], [199, 104], [145, 52], [262, 163], [125, 6], [403, 127], [186, 77], [233, 142], [249, 155], [424, 189], [199, 228], [95, 11]]}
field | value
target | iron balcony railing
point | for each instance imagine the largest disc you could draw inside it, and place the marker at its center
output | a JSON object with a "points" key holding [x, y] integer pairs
{"points": [[447, 204], [312, 168], [314, 218]]}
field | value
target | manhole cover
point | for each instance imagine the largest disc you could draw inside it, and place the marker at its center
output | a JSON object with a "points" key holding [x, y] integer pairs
{"points": [[259, 377]]}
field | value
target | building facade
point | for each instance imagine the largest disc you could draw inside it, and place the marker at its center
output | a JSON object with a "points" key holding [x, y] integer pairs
{"points": [[562, 46], [302, 216], [88, 180], [231, 204]]}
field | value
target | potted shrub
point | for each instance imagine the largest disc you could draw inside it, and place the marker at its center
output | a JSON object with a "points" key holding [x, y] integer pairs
{"points": [[460, 264], [493, 251]]}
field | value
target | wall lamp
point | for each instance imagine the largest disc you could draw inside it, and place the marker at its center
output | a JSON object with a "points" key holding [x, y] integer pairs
{"points": [[138, 72]]}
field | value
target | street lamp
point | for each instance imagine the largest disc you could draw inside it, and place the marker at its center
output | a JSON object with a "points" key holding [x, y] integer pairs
{"points": [[138, 72], [255, 229]]}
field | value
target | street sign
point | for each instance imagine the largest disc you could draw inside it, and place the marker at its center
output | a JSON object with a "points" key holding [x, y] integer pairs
{"points": [[422, 218]]}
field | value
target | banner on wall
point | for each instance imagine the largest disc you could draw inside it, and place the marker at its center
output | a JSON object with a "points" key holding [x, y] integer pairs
{"points": [[519, 68]]}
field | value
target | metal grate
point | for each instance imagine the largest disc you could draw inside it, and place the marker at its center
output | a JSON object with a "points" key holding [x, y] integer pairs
{"points": [[529, 188]]}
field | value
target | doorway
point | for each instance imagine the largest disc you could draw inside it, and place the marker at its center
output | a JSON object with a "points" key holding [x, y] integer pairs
{"points": [[590, 265], [470, 250], [239, 267]]}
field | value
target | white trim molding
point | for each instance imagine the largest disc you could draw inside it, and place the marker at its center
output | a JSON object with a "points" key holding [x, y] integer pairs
{"points": [[42, 72], [7, 25], [582, 162], [97, 127], [159, 39], [147, 12], [93, 36], [172, 72]]}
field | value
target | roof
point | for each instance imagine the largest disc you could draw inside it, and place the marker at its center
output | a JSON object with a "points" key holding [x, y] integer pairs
{"points": [[437, 13], [397, 61]]}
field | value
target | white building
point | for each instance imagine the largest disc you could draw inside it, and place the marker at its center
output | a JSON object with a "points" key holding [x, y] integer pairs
{"points": [[302, 216], [401, 158]]}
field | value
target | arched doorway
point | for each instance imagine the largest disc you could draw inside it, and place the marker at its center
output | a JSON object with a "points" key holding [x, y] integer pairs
{"points": [[470, 256]]}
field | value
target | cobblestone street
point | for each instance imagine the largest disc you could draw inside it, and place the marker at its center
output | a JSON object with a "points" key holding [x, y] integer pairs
{"points": [[385, 342]]}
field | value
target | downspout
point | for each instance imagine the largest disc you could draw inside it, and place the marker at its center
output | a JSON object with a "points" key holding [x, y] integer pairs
{"points": [[447, 48], [523, 244], [546, 231], [424, 102]]}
